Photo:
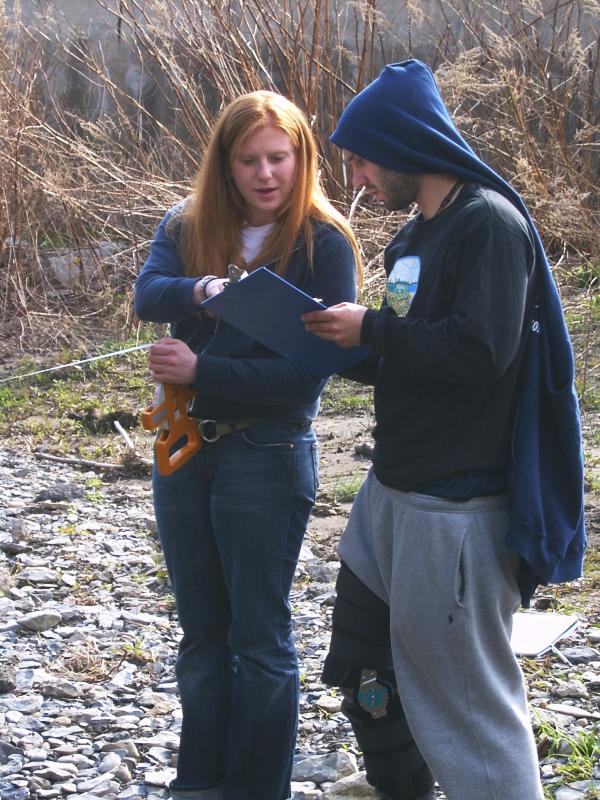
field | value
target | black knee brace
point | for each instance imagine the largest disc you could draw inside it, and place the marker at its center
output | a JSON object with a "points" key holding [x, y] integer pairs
{"points": [[360, 663]]}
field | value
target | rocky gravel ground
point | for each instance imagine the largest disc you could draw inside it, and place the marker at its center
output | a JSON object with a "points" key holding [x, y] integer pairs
{"points": [[88, 636]]}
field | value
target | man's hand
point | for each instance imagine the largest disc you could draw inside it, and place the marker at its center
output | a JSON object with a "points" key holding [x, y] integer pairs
{"points": [[172, 361], [340, 324]]}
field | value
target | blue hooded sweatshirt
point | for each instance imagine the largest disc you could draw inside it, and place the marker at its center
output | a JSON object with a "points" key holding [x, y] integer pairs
{"points": [[400, 122]]}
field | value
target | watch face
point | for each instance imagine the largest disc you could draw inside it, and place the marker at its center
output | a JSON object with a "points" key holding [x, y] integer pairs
{"points": [[374, 699]]}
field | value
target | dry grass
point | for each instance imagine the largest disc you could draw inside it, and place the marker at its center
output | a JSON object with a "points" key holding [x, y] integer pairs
{"points": [[99, 136]]}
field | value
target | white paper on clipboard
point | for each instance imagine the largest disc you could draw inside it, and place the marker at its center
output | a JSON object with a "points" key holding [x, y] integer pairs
{"points": [[535, 633]]}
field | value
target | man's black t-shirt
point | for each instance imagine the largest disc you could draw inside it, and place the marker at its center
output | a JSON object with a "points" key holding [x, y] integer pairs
{"points": [[448, 342]]}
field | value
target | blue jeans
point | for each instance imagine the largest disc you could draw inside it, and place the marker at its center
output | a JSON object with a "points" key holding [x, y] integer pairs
{"points": [[231, 523]]}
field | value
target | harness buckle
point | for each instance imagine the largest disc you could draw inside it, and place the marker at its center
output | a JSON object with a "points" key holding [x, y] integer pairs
{"points": [[208, 430]]}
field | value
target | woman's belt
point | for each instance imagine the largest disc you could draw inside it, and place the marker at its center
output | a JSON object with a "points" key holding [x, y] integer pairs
{"points": [[212, 429]]}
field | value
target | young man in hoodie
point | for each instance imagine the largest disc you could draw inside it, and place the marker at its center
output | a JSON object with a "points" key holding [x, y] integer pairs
{"points": [[466, 508]]}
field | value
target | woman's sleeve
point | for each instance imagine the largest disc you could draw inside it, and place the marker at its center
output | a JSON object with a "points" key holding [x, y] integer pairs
{"points": [[162, 292], [268, 381], [334, 275]]}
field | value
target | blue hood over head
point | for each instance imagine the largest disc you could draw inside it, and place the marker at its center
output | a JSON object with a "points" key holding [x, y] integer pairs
{"points": [[400, 122]]}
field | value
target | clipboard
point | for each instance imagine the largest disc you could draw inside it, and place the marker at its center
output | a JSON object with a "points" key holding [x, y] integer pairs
{"points": [[535, 633], [268, 308]]}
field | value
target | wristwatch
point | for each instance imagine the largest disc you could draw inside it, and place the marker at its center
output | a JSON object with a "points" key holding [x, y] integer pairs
{"points": [[202, 284]]}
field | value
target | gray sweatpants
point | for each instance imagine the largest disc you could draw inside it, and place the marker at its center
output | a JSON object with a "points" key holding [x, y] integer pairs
{"points": [[442, 568]]}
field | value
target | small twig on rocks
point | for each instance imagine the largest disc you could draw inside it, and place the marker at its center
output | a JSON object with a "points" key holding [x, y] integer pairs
{"points": [[125, 435], [80, 461]]}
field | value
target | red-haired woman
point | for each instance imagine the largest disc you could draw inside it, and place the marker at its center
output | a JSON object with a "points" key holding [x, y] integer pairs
{"points": [[231, 520]]}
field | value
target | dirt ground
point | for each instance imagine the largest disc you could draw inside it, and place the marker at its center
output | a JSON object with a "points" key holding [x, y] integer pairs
{"points": [[339, 467]]}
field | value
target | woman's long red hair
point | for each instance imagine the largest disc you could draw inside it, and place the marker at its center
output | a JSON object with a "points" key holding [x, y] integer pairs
{"points": [[214, 215]]}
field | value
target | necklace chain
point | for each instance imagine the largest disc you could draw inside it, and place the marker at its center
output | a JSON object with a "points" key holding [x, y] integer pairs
{"points": [[449, 197]]}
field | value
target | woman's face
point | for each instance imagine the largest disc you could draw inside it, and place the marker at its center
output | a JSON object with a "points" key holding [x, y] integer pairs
{"points": [[264, 171]]}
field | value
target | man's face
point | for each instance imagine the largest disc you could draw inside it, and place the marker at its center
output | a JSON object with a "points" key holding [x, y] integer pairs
{"points": [[396, 190]]}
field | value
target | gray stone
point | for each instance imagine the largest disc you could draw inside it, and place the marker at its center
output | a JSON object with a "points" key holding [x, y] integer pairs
{"points": [[305, 791], [55, 773], [352, 787], [323, 573], [41, 620], [37, 754], [36, 575], [75, 267], [572, 688], [8, 678], [19, 529], [566, 793], [586, 786], [580, 655], [594, 636], [7, 606], [7, 750], [8, 791], [159, 777], [67, 788], [329, 703], [122, 774], [124, 744], [320, 768], [6, 580], [109, 763], [28, 704], [61, 688], [60, 492], [132, 792], [101, 785]]}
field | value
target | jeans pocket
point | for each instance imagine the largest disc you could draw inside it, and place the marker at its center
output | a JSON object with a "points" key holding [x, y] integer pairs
{"points": [[277, 434]]}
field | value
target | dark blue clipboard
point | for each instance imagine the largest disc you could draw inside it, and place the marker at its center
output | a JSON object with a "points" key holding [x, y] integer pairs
{"points": [[268, 308]]}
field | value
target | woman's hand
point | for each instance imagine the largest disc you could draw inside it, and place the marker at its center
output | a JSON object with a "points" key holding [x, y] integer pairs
{"points": [[213, 287], [172, 361], [216, 286], [340, 323]]}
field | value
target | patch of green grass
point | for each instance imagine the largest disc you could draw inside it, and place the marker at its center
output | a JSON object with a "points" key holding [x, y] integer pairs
{"points": [[577, 754], [11, 398], [94, 496], [591, 564], [342, 396], [584, 275], [137, 652], [589, 396], [346, 490], [592, 470], [68, 529], [38, 409], [537, 673]]}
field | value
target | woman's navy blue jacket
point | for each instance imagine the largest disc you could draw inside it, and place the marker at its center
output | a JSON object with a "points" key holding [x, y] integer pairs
{"points": [[237, 377]]}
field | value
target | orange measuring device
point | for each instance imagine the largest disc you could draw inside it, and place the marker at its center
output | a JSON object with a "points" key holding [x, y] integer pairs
{"points": [[178, 437]]}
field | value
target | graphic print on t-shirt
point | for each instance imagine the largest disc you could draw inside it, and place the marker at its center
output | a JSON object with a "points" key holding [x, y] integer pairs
{"points": [[402, 284]]}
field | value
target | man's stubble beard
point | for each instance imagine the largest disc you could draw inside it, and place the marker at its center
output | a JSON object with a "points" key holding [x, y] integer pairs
{"points": [[399, 188]]}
